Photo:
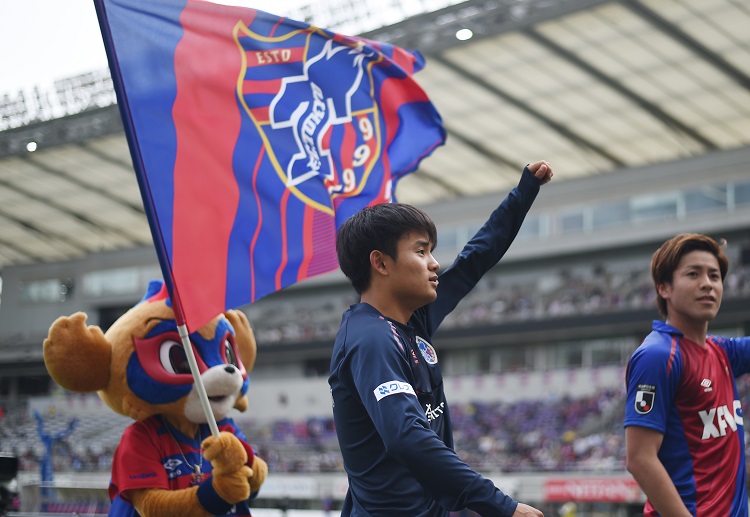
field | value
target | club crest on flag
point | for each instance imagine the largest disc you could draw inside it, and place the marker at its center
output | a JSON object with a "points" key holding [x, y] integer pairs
{"points": [[312, 127]]}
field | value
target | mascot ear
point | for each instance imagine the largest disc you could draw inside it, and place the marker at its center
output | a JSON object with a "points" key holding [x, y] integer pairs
{"points": [[244, 337], [77, 357]]}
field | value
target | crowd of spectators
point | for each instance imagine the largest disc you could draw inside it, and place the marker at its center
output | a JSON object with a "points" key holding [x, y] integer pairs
{"points": [[498, 299], [88, 449], [551, 434]]}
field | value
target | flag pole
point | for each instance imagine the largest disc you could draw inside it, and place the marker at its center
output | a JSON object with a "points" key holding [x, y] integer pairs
{"points": [[199, 386]]}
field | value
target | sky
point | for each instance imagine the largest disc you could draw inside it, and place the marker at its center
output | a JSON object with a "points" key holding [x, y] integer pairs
{"points": [[42, 41]]}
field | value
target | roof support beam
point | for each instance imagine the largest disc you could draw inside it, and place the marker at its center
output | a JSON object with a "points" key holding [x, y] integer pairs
{"points": [[96, 226], [685, 39], [480, 149], [447, 187], [647, 105], [137, 208], [12, 246], [42, 233], [125, 165], [560, 128]]}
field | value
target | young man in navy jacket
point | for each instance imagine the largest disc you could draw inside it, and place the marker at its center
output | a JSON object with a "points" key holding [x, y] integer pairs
{"points": [[389, 405]]}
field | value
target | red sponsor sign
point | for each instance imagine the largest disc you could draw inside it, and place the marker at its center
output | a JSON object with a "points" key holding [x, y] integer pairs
{"points": [[603, 490]]}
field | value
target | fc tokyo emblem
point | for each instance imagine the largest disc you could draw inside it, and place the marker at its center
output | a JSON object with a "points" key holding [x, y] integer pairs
{"points": [[428, 352], [644, 398], [313, 99]]}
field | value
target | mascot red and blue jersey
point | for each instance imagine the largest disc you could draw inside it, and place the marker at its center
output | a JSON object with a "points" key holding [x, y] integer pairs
{"points": [[167, 462]]}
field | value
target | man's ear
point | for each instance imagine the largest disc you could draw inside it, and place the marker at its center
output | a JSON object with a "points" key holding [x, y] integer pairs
{"points": [[663, 290], [377, 262]]}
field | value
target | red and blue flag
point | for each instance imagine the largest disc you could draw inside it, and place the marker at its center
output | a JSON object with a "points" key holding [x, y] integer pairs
{"points": [[254, 137]]}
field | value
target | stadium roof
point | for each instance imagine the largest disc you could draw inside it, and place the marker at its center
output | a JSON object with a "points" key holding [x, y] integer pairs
{"points": [[595, 87]]}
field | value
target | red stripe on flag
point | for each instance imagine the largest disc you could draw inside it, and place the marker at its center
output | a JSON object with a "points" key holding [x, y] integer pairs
{"points": [[250, 87], [324, 244], [347, 147], [395, 95], [260, 114], [256, 233], [207, 123], [307, 242], [403, 59], [284, 254], [277, 25]]}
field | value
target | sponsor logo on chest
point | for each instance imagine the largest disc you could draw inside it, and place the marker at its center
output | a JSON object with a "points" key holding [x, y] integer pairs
{"points": [[719, 420]]}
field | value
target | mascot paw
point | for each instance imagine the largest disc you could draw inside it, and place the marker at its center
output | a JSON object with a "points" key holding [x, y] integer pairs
{"points": [[230, 474], [225, 453], [260, 471], [77, 357]]}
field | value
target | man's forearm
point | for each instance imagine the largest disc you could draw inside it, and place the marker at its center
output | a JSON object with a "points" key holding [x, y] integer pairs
{"points": [[660, 490]]}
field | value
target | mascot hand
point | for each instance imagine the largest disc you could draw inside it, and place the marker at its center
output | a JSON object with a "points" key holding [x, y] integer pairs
{"points": [[230, 474], [260, 471], [77, 357]]}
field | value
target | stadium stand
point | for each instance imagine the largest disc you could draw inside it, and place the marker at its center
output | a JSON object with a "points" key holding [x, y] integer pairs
{"points": [[534, 357]]}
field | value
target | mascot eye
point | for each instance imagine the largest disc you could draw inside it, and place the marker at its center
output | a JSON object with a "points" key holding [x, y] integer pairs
{"points": [[173, 357], [229, 354]]}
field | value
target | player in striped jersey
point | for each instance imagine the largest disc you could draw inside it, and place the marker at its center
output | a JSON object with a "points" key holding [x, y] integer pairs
{"points": [[683, 419]]}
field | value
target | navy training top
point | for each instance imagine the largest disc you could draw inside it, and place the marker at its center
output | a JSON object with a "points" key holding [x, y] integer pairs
{"points": [[389, 405]]}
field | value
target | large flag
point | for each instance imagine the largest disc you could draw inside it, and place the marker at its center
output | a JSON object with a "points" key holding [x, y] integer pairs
{"points": [[253, 138]]}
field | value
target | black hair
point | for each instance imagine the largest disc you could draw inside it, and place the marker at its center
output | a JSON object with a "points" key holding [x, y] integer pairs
{"points": [[378, 227]]}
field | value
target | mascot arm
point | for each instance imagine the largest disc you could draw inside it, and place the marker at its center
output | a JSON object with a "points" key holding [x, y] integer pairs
{"points": [[260, 471], [158, 502]]}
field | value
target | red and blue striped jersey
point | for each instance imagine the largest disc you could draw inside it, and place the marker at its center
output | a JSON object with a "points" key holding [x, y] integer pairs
{"points": [[151, 455], [688, 393]]}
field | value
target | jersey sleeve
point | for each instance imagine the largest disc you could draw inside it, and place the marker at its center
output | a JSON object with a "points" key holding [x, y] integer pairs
{"points": [[484, 250], [738, 352], [137, 463], [653, 374], [384, 383]]}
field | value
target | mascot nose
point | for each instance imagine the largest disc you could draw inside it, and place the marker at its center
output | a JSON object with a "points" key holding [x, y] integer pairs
{"points": [[229, 369]]}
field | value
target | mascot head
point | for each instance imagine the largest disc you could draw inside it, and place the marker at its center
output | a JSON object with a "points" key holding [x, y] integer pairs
{"points": [[139, 366]]}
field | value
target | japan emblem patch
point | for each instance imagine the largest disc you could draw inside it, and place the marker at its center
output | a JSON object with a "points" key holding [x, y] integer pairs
{"points": [[644, 398]]}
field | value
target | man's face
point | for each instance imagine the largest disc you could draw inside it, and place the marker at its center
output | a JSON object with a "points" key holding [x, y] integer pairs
{"points": [[414, 272], [696, 289]]}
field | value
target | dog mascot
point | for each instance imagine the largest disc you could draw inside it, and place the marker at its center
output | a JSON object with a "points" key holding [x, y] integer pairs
{"points": [[167, 462]]}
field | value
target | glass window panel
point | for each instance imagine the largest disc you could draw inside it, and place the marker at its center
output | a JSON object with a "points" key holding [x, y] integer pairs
{"points": [[513, 359], [568, 355], [46, 291], [571, 223], [448, 238], [655, 208], [611, 214], [602, 356], [706, 199], [742, 193], [531, 228]]}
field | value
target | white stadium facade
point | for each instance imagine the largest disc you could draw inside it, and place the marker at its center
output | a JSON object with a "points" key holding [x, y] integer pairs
{"points": [[641, 106]]}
